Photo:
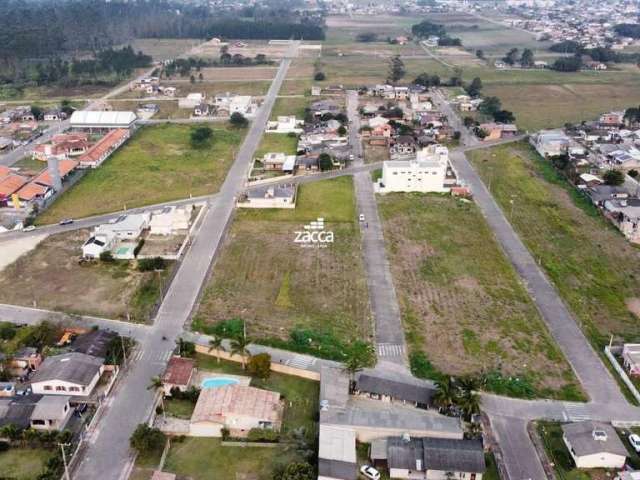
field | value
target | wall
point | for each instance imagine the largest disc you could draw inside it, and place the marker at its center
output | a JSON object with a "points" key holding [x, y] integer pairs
{"points": [[621, 372]]}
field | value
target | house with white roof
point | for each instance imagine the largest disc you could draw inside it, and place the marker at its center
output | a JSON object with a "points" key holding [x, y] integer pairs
{"points": [[285, 124], [97, 244], [169, 220], [91, 119], [125, 227], [192, 100], [228, 104]]}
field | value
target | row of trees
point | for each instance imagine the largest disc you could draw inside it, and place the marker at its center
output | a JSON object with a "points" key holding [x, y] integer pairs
{"points": [[513, 56], [427, 29]]}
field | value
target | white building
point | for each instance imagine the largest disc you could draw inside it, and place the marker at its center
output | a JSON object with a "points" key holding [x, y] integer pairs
{"points": [[274, 196], [125, 227], [594, 445], [427, 173], [337, 453], [72, 373], [550, 143], [192, 100], [91, 119], [52, 412], [170, 220], [285, 124], [98, 244], [228, 104]]}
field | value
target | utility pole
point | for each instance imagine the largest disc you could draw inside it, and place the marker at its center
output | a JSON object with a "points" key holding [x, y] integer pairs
{"points": [[64, 461], [124, 352]]}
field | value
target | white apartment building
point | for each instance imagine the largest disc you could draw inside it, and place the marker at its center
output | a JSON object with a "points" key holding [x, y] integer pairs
{"points": [[426, 173]]}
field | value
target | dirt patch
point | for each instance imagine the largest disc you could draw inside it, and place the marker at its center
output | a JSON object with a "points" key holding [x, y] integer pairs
{"points": [[14, 249]]}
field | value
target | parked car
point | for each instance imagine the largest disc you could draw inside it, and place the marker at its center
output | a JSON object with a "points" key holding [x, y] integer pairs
{"points": [[370, 472], [634, 440], [30, 228], [361, 217], [66, 221]]}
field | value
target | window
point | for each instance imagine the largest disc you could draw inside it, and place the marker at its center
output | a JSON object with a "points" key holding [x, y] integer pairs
{"points": [[48, 387], [74, 389], [60, 388], [38, 422]]}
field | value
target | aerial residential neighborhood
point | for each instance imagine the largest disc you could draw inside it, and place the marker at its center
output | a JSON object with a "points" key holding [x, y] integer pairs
{"points": [[320, 240]]}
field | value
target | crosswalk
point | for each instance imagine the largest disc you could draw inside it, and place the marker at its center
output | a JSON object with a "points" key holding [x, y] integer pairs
{"points": [[301, 361], [390, 350], [576, 412], [151, 356]]}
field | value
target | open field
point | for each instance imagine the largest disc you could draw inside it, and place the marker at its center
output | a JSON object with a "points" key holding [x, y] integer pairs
{"points": [[545, 106], [593, 267], [277, 142], [166, 108], [24, 463], [290, 106], [211, 88], [222, 74], [164, 48], [50, 277], [277, 286], [461, 301], [344, 30], [157, 165]]}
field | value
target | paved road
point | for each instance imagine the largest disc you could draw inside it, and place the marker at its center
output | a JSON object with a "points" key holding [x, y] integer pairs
{"points": [[33, 316], [109, 456], [13, 156], [390, 342]]}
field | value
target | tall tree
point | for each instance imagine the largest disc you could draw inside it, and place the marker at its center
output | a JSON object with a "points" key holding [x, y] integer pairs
{"points": [[396, 69], [511, 57], [216, 344], [239, 346], [527, 60]]}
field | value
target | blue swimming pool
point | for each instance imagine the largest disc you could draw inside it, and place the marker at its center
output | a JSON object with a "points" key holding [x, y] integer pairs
{"points": [[218, 382]]}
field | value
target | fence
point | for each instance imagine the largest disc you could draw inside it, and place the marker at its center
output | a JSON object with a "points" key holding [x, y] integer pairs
{"points": [[623, 375]]}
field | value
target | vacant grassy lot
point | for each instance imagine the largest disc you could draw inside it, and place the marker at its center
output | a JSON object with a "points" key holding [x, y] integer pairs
{"points": [[166, 108], [157, 165], [290, 106], [50, 277], [276, 285], [238, 73], [462, 303], [277, 142], [24, 463], [164, 48], [593, 267]]}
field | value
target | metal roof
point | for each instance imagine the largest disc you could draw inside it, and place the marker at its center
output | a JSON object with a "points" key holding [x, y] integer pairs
{"points": [[88, 118]]}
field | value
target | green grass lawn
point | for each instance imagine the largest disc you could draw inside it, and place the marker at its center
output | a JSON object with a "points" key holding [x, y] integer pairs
{"points": [[23, 463], [290, 106], [30, 164], [157, 165], [593, 267], [277, 142], [178, 408], [462, 303], [278, 286]]}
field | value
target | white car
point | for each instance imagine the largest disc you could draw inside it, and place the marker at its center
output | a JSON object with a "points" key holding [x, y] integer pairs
{"points": [[30, 228], [370, 472], [361, 217], [634, 440]]}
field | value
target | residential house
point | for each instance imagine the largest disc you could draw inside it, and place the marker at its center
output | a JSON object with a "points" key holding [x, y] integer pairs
{"points": [[337, 454], [169, 91], [278, 161], [430, 458], [95, 342], [551, 143], [587, 180], [97, 244], [497, 131], [611, 119], [170, 220], [377, 121], [62, 146], [228, 104], [125, 227], [285, 124], [24, 361], [631, 358], [599, 194], [9, 184], [402, 146], [201, 110], [625, 214], [376, 386], [192, 100], [594, 445], [426, 173], [104, 147], [269, 196], [54, 115], [178, 374], [71, 373], [238, 408], [307, 163], [52, 412]]}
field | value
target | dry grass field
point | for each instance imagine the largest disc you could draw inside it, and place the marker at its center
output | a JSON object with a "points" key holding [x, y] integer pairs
{"points": [[224, 74], [275, 285], [462, 303], [50, 277]]}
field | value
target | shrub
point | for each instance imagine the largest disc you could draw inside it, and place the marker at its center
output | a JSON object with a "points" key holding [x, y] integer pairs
{"points": [[319, 77], [200, 137], [107, 257], [146, 439], [139, 246], [263, 435], [259, 365], [150, 264], [238, 120], [225, 433], [421, 367]]}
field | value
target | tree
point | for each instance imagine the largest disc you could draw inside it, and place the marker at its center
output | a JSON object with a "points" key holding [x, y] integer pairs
{"points": [[396, 69], [427, 80], [567, 64], [259, 366], [468, 121], [185, 348], [490, 106], [319, 77], [613, 177], [325, 162], [146, 439], [446, 393], [469, 403], [480, 54], [358, 356], [504, 116], [200, 77], [527, 60], [342, 131], [216, 344], [200, 136], [107, 257], [192, 79], [36, 111], [298, 471], [511, 57], [474, 88], [65, 106], [238, 120], [239, 346], [367, 37], [633, 173]]}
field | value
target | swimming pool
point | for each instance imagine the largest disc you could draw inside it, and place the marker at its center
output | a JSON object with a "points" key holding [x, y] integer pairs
{"points": [[218, 382]]}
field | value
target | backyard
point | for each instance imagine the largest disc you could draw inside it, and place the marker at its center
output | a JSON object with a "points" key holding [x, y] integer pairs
{"points": [[278, 286], [277, 142], [157, 165], [591, 264], [461, 301], [24, 463], [51, 277]]}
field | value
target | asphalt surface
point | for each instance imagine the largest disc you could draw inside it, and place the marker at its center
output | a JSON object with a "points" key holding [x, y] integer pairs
{"points": [[389, 334], [109, 455]]}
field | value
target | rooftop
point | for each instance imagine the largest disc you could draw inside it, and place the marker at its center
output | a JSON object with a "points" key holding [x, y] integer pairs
{"points": [[71, 367], [587, 438], [214, 404], [178, 371]]}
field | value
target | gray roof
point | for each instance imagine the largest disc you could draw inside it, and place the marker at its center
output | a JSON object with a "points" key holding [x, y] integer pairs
{"points": [[445, 454], [50, 407], [273, 191], [600, 193], [396, 389], [580, 436], [95, 343], [71, 367], [405, 454], [334, 387], [337, 469]]}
